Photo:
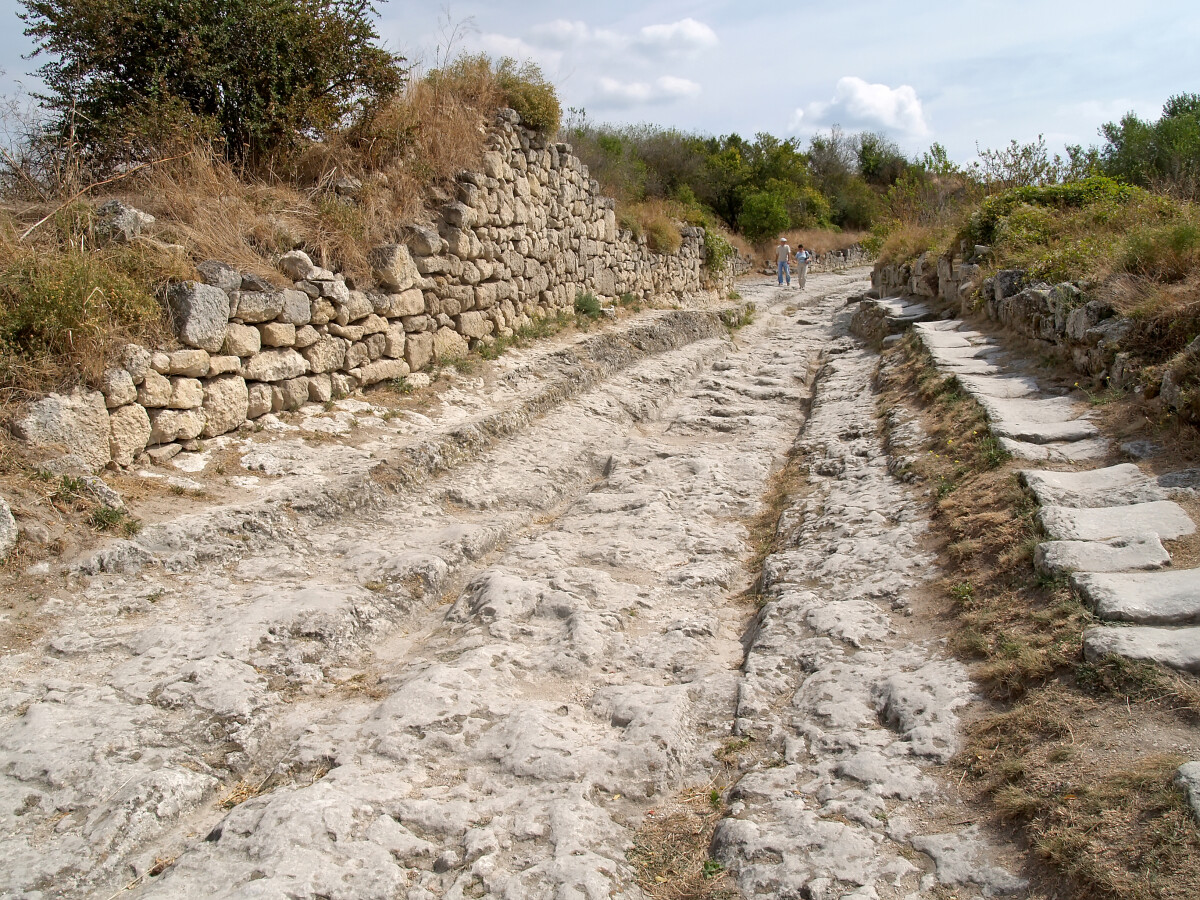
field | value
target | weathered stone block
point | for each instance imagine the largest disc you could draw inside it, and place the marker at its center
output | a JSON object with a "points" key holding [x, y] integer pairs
{"points": [[186, 393], [258, 399], [320, 388], [374, 324], [118, 388], [408, 303], [296, 265], [418, 349], [199, 313], [241, 340], [383, 370], [154, 391], [258, 306], [375, 344], [129, 432], [355, 307], [325, 355], [274, 365], [220, 275], [136, 360], [393, 267], [448, 344], [356, 356], [223, 365], [192, 363], [322, 312], [306, 336], [278, 334], [473, 325], [296, 309], [175, 425], [343, 384], [394, 344], [226, 403], [288, 395]]}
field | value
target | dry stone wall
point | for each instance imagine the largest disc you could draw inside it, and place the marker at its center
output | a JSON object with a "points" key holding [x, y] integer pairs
{"points": [[519, 241], [1089, 331]]}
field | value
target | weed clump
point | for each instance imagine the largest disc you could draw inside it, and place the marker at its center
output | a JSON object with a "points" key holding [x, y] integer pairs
{"points": [[587, 304]]}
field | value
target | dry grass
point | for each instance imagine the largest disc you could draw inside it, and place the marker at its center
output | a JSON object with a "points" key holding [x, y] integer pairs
{"points": [[906, 242], [670, 851], [1068, 757], [823, 240]]}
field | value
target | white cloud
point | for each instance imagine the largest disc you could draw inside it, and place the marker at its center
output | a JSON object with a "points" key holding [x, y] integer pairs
{"points": [[667, 89], [859, 104], [563, 33], [684, 36]]}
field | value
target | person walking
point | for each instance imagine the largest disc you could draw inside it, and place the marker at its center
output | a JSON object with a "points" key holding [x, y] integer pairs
{"points": [[782, 254], [802, 258]]}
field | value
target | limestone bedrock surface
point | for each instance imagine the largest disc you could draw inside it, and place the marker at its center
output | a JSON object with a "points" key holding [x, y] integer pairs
{"points": [[481, 667]]}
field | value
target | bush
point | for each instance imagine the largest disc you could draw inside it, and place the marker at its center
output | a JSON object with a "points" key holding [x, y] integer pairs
{"points": [[717, 251], [1075, 194], [763, 216], [527, 91], [263, 72], [587, 304]]}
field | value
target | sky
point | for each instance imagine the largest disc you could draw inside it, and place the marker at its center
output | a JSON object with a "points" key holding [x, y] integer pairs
{"points": [[967, 74]]}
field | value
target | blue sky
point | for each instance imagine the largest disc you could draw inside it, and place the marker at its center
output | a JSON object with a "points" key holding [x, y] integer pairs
{"points": [[954, 72]]}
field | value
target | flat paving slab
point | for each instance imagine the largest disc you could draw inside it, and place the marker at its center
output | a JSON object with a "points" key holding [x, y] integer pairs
{"points": [[1171, 597], [1164, 518], [1005, 386], [1123, 554], [1112, 486], [1059, 452], [1176, 648]]}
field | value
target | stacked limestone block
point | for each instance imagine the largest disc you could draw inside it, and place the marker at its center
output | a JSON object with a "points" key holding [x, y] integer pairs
{"points": [[524, 236]]}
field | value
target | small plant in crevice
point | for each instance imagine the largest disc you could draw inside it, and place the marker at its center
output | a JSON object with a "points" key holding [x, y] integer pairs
{"points": [[587, 304]]}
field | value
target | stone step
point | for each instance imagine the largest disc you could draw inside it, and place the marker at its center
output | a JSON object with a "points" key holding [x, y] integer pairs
{"points": [[1123, 554], [1164, 518], [1144, 598], [1058, 452], [1176, 648], [1114, 486], [1004, 386]]}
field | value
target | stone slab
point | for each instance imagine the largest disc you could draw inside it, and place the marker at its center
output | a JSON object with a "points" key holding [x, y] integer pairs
{"points": [[1164, 518], [1176, 648], [1112, 486], [1045, 432], [1144, 598], [1004, 386], [1122, 554], [1058, 452], [945, 339], [971, 366]]}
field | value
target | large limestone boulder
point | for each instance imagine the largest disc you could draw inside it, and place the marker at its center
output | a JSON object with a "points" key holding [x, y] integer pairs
{"points": [[393, 267], [296, 265], [155, 390], [129, 432], [219, 275], [418, 350], [258, 306], [383, 370], [408, 303], [297, 308], [327, 354], [77, 423], [226, 401], [200, 313], [241, 340]]}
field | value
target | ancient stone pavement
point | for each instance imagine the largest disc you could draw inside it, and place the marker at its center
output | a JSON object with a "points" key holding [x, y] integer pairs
{"points": [[480, 668]]}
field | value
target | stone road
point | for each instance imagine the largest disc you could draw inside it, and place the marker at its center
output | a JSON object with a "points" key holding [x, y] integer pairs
{"points": [[480, 668]]}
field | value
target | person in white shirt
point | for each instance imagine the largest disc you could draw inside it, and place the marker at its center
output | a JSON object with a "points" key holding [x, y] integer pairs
{"points": [[782, 254], [802, 258]]}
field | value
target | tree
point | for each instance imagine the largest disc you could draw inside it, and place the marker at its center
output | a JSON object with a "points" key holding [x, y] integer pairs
{"points": [[256, 75], [1163, 154], [764, 214]]}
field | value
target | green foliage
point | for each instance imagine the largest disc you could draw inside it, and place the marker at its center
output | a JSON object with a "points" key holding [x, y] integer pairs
{"points": [[763, 215], [587, 304], [1164, 154], [258, 74], [718, 252], [1087, 192], [527, 91]]}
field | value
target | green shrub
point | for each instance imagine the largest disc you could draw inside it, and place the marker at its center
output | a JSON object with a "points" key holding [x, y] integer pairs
{"points": [[1087, 192], [717, 251], [763, 216], [528, 92], [263, 73], [587, 304]]}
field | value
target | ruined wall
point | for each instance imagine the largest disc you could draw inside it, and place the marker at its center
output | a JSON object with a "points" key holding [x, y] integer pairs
{"points": [[520, 240], [1089, 332]]}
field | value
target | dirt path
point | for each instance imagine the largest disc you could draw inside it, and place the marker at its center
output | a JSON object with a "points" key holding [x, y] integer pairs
{"points": [[489, 681]]}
